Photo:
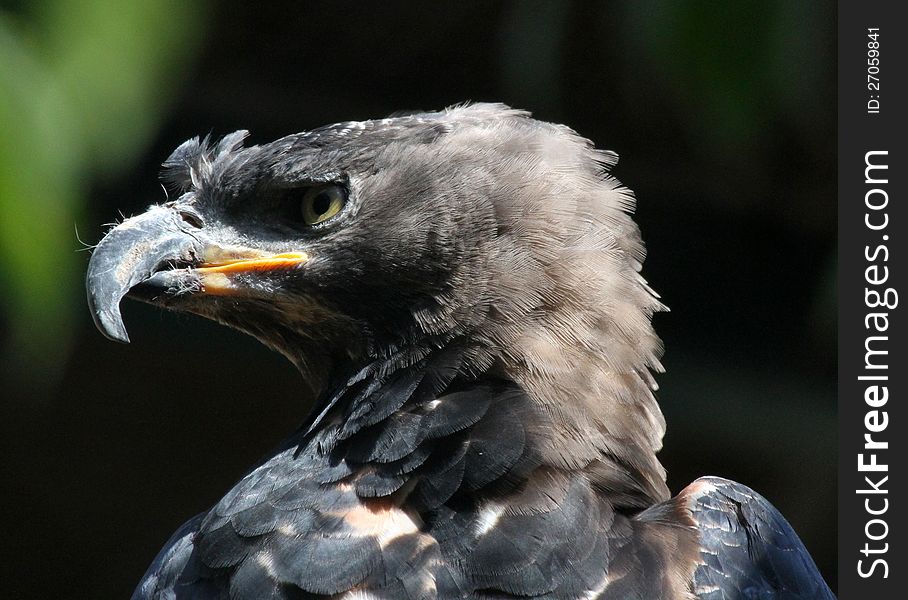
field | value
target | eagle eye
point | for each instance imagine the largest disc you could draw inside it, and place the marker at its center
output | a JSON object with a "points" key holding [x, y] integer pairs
{"points": [[322, 202]]}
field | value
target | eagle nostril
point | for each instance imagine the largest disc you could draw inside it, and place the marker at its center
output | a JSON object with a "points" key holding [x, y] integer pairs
{"points": [[192, 218]]}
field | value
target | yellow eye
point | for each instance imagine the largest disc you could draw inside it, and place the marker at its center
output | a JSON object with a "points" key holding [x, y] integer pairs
{"points": [[322, 202]]}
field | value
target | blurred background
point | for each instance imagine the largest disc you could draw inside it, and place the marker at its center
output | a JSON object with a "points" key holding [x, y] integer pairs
{"points": [[724, 117]]}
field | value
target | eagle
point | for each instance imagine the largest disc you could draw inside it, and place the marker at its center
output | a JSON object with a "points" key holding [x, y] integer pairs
{"points": [[461, 291]]}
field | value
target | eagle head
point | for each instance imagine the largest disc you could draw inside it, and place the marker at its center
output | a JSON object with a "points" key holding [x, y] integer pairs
{"points": [[394, 237]]}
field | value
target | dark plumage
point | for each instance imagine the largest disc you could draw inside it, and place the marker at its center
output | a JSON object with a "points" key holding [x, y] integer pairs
{"points": [[462, 291]]}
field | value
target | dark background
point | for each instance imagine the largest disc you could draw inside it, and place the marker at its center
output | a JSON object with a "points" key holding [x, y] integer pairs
{"points": [[723, 115]]}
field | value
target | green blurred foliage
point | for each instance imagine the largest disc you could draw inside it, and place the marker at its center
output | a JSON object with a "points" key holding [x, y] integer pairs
{"points": [[83, 87], [733, 65]]}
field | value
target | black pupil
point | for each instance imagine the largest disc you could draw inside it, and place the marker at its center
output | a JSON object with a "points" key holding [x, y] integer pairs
{"points": [[321, 203]]}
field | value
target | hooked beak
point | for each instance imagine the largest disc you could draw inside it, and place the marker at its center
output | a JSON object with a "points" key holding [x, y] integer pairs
{"points": [[159, 255]]}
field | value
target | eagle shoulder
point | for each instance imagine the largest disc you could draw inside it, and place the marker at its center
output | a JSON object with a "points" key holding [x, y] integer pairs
{"points": [[747, 548]]}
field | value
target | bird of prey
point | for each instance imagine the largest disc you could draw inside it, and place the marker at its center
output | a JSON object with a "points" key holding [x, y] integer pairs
{"points": [[462, 292]]}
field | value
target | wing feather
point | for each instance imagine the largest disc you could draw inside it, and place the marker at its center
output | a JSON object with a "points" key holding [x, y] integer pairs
{"points": [[748, 549]]}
